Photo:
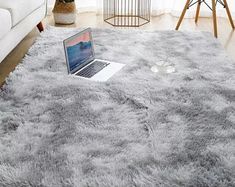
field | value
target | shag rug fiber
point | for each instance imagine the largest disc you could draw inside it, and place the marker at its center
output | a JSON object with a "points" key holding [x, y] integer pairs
{"points": [[139, 129]]}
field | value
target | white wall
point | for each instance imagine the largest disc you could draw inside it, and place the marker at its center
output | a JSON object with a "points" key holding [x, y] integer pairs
{"points": [[79, 3], [82, 5], [158, 7]]}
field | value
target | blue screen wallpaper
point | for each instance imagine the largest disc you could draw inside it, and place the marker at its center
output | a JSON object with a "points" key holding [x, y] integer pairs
{"points": [[79, 51]]}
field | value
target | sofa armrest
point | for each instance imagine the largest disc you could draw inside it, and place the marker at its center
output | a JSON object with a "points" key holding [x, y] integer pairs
{"points": [[46, 3]]}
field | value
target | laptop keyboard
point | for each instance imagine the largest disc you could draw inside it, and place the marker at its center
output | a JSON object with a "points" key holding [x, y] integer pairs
{"points": [[92, 69]]}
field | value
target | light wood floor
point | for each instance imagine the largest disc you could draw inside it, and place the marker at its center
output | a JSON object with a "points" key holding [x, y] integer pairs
{"points": [[163, 22]]}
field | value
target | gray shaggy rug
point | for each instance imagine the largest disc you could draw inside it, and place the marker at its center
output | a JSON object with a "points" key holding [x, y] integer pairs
{"points": [[139, 129]]}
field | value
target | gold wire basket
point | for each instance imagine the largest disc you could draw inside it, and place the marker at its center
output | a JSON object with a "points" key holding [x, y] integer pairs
{"points": [[127, 13]]}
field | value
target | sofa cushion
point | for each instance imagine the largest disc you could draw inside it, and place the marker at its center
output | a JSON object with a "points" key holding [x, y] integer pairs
{"points": [[19, 9], [5, 22]]}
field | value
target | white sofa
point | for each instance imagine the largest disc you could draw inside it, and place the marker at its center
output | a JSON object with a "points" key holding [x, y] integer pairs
{"points": [[17, 19]]}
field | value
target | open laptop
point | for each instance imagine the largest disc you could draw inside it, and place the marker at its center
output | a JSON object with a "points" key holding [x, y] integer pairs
{"points": [[81, 62]]}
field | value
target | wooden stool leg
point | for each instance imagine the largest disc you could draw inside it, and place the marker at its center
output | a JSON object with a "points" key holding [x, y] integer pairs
{"points": [[229, 14], [182, 14], [214, 18], [198, 10]]}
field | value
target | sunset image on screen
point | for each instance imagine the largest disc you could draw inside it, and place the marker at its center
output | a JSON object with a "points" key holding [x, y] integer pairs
{"points": [[83, 38]]}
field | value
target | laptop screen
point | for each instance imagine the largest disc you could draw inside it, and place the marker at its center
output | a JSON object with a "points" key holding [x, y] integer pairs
{"points": [[79, 50]]}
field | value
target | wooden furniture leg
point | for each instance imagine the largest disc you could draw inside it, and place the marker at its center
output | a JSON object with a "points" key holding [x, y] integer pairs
{"points": [[214, 18], [182, 14], [229, 14], [40, 27], [198, 10]]}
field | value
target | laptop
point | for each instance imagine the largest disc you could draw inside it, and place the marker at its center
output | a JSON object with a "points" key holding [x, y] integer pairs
{"points": [[81, 61]]}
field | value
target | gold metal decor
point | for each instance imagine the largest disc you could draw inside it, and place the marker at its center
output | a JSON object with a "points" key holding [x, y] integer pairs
{"points": [[127, 13]]}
